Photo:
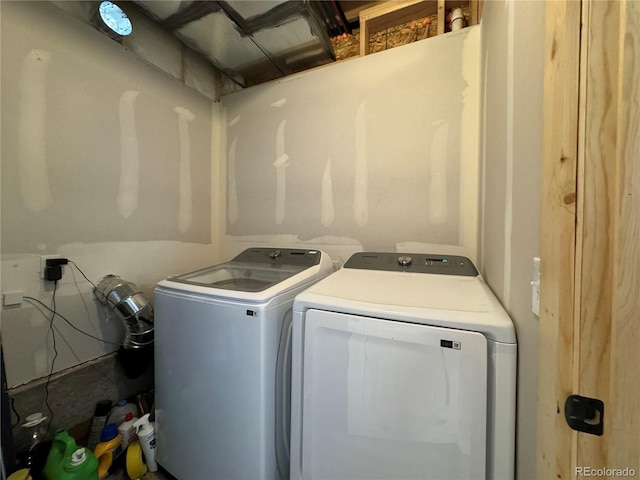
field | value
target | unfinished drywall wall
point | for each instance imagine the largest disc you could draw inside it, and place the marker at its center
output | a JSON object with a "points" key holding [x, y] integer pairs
{"points": [[372, 153], [106, 162], [512, 52], [83, 132]]}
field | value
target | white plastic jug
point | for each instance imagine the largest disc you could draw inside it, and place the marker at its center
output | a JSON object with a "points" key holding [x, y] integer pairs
{"points": [[120, 411]]}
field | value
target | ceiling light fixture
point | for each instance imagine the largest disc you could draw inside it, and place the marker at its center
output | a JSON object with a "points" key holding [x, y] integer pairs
{"points": [[113, 20]]}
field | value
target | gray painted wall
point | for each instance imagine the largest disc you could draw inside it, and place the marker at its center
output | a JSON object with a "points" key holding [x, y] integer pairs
{"points": [[511, 148]]}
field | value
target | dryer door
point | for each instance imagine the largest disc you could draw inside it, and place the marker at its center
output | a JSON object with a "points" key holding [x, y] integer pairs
{"points": [[388, 399]]}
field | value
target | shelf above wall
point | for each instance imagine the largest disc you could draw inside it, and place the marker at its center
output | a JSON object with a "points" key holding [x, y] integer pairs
{"points": [[392, 13]]}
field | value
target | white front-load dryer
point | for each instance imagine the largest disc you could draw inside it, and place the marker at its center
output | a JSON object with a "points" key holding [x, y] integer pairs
{"points": [[222, 364], [404, 367]]}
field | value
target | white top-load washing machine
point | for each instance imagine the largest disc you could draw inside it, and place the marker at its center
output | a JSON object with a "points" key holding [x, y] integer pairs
{"points": [[222, 372], [404, 367]]}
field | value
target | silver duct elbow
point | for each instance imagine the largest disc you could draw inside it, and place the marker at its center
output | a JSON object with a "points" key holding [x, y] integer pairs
{"points": [[131, 306]]}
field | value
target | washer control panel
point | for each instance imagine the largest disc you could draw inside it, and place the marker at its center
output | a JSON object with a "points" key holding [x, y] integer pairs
{"points": [[280, 256], [413, 262]]}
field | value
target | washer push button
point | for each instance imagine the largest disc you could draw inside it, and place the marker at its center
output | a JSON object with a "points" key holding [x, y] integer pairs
{"points": [[404, 261]]}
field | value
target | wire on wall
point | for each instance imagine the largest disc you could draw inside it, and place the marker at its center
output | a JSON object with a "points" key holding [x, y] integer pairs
{"points": [[50, 312], [55, 350], [82, 273], [35, 301], [42, 307]]}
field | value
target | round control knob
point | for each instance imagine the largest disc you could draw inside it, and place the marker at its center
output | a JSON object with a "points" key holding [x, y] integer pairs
{"points": [[404, 261], [275, 254]]}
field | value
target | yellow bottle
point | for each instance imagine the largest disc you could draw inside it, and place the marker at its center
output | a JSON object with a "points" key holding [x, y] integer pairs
{"points": [[108, 450]]}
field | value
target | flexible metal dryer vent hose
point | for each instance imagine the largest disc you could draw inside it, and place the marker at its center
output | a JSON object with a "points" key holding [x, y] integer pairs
{"points": [[131, 306]]}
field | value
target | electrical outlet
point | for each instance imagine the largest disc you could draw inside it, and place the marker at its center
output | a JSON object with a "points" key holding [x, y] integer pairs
{"points": [[43, 263], [12, 298]]}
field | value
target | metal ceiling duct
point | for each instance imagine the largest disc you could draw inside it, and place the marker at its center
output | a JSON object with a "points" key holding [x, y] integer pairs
{"points": [[252, 41]]}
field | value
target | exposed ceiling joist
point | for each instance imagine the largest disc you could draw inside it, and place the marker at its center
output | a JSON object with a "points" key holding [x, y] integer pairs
{"points": [[189, 12]]}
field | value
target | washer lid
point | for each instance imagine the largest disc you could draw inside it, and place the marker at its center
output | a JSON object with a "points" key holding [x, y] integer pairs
{"points": [[253, 270], [243, 277]]}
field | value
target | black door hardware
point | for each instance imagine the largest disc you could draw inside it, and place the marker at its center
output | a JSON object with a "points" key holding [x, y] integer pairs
{"points": [[585, 414]]}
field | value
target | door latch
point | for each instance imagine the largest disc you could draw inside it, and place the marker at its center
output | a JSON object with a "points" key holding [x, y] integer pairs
{"points": [[585, 414]]}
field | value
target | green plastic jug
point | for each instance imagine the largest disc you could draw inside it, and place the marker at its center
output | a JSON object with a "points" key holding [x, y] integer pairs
{"points": [[67, 461]]}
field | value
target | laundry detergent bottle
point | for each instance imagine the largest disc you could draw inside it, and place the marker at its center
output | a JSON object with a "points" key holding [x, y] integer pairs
{"points": [[67, 461], [109, 450]]}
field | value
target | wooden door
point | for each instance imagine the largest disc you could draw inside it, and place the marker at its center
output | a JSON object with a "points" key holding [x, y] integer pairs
{"points": [[590, 239]]}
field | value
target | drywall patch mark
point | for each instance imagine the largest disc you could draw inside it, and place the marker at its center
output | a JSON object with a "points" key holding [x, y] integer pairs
{"points": [[33, 169], [41, 361], [281, 163], [279, 103], [327, 214], [129, 155], [233, 121], [360, 201], [232, 186], [186, 196], [438, 207]]}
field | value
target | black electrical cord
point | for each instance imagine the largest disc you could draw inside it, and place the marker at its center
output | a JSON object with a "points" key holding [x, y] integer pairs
{"points": [[31, 300], [55, 350], [82, 273], [15, 412], [54, 313]]}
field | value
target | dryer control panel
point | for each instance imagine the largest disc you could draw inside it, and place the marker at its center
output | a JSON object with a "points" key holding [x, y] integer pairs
{"points": [[413, 262]]}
